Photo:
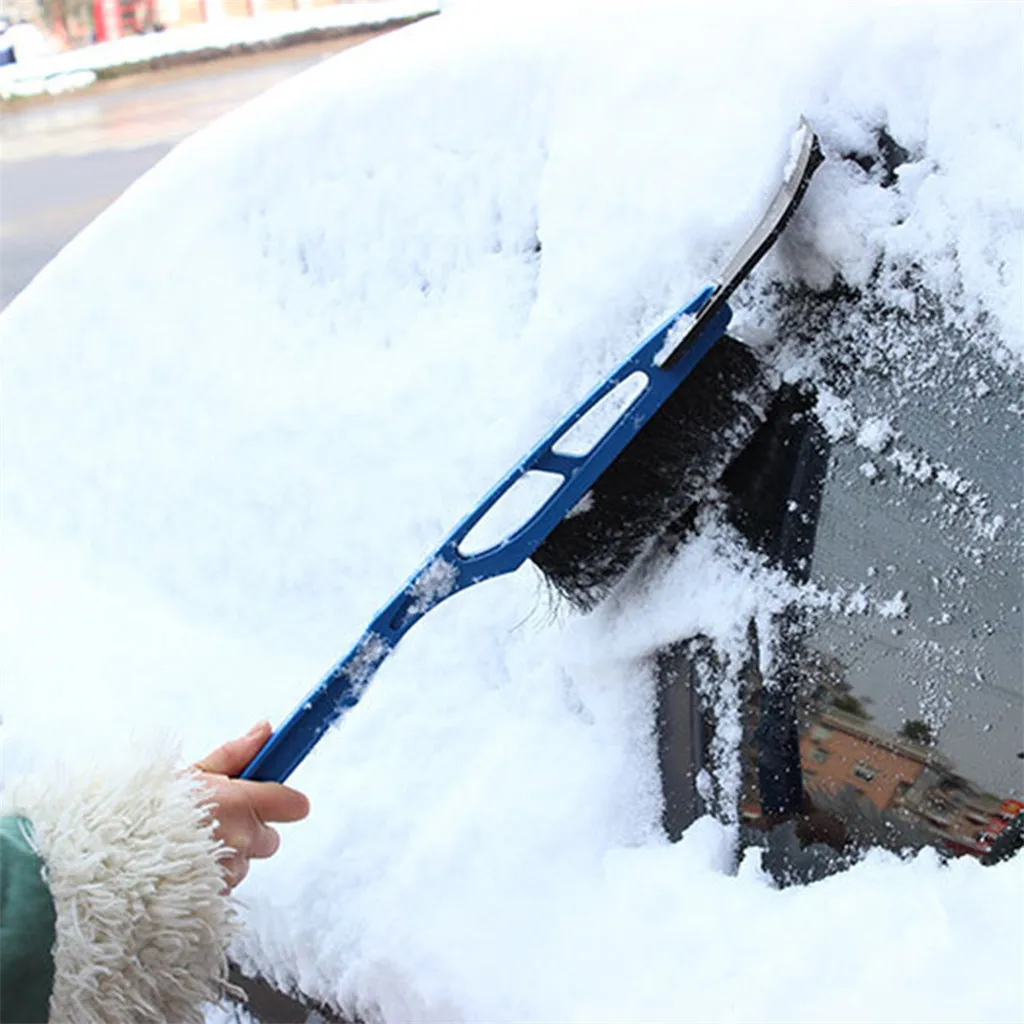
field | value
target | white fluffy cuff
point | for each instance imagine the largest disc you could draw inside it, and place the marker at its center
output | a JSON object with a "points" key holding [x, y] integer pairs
{"points": [[143, 920]]}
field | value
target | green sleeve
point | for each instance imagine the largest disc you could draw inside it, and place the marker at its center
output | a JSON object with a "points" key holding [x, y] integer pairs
{"points": [[27, 928]]}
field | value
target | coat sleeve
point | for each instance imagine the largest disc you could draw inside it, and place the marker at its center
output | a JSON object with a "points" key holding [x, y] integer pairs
{"points": [[141, 915], [27, 923]]}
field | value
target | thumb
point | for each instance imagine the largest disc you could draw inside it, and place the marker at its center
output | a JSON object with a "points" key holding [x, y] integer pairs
{"points": [[233, 757]]}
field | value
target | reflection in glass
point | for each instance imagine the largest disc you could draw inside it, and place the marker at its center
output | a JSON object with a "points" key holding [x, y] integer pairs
{"points": [[890, 488]]}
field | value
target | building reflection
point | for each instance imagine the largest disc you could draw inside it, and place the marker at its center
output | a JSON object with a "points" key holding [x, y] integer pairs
{"points": [[901, 779], [906, 778]]}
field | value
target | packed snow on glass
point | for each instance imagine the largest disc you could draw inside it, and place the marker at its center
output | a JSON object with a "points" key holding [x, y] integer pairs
{"points": [[340, 315]]}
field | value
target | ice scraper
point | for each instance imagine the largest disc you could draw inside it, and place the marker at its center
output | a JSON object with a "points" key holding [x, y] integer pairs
{"points": [[638, 451]]}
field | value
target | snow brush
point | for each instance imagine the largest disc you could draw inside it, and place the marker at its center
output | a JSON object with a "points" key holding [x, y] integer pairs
{"points": [[603, 502]]}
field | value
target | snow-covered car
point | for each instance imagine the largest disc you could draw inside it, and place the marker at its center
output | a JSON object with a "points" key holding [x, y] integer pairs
{"points": [[7, 54], [344, 311]]}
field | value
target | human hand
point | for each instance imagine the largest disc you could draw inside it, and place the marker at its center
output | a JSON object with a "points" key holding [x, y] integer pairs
{"points": [[241, 808]]}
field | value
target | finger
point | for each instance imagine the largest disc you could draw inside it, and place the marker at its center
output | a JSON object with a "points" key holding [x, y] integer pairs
{"points": [[235, 869], [273, 802], [265, 843], [234, 756]]}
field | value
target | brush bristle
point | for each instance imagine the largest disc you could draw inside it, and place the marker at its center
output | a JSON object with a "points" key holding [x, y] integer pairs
{"points": [[669, 466]]}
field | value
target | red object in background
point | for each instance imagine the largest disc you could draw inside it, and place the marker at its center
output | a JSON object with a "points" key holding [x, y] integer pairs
{"points": [[107, 19], [1008, 810], [115, 19]]}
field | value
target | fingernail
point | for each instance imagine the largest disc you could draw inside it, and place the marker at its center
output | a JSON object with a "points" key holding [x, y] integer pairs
{"points": [[257, 728]]}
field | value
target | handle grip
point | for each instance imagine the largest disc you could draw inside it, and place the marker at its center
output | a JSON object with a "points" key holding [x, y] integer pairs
{"points": [[666, 361]]}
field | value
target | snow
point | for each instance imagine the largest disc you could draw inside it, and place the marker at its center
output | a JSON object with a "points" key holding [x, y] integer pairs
{"points": [[341, 314], [895, 607], [37, 70], [835, 414], [436, 582], [875, 434]]}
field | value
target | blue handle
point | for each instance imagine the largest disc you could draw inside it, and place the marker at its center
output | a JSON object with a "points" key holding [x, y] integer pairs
{"points": [[665, 363]]}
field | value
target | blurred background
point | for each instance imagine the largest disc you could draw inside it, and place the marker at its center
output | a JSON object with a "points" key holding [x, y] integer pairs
{"points": [[94, 92]]}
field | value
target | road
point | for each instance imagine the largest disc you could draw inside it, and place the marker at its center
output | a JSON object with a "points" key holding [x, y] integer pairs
{"points": [[63, 160]]}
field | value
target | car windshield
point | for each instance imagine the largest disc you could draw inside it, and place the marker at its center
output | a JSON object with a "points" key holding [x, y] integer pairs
{"points": [[887, 485]]}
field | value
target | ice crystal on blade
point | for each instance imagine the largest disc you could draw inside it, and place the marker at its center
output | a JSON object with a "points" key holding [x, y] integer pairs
{"points": [[437, 581], [370, 652]]}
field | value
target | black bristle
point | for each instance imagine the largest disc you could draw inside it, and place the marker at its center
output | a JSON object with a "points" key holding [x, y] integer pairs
{"points": [[669, 466]]}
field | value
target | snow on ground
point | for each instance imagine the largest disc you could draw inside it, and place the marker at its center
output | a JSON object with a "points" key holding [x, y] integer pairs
{"points": [[339, 315], [38, 72]]}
